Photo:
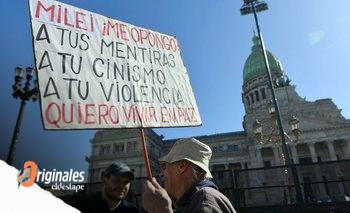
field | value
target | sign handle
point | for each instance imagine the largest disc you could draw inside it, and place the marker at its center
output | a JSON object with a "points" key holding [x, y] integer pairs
{"points": [[145, 154]]}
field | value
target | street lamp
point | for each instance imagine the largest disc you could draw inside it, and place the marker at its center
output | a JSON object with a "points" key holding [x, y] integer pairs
{"points": [[25, 93], [258, 6], [271, 108], [294, 123], [255, 6], [275, 141], [257, 129]]}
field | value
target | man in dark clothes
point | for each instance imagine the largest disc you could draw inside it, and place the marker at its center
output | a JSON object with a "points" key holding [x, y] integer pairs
{"points": [[115, 187], [187, 185]]}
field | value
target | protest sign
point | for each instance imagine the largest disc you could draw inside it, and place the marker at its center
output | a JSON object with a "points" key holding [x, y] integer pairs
{"points": [[96, 72]]}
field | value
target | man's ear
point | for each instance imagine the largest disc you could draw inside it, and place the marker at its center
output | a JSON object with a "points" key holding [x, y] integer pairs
{"points": [[183, 166], [104, 179]]}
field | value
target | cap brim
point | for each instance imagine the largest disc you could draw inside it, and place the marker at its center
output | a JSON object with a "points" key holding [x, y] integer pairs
{"points": [[165, 158], [130, 174], [127, 173]]}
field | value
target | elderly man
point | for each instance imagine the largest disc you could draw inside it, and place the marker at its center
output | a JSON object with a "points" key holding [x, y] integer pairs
{"points": [[115, 187], [185, 170]]}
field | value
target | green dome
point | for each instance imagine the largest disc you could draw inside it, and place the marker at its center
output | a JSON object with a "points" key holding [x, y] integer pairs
{"points": [[255, 65]]}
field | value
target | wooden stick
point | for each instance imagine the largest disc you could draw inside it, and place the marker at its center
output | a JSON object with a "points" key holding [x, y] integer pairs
{"points": [[145, 154]]}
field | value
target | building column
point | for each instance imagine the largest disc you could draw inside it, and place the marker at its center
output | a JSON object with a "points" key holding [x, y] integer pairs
{"points": [[294, 152], [226, 174], [277, 162], [332, 154], [318, 173], [276, 155], [347, 150], [226, 166], [312, 152], [259, 158], [337, 170], [124, 147]]}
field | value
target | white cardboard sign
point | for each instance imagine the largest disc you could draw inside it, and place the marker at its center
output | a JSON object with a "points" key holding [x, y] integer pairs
{"points": [[96, 72]]}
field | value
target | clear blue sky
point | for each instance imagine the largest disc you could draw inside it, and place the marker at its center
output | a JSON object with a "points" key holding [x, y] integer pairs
{"points": [[311, 38]]}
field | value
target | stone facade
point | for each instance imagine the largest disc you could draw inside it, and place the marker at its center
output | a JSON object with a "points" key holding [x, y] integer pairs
{"points": [[123, 145]]}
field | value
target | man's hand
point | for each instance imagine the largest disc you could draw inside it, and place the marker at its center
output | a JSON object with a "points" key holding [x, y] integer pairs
{"points": [[155, 198]]}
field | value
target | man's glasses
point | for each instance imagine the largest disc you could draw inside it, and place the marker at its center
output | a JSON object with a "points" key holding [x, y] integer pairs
{"points": [[162, 166]]}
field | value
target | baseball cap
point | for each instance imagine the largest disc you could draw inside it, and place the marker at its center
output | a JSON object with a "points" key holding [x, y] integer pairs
{"points": [[119, 169], [192, 150]]}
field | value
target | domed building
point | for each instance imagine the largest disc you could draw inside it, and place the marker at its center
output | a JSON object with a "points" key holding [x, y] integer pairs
{"points": [[255, 64], [323, 135]]}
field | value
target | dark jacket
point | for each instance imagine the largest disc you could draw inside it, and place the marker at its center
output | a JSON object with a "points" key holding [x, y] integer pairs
{"points": [[95, 204], [204, 197]]}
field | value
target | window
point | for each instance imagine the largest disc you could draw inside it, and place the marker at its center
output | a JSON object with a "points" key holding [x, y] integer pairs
{"points": [[247, 100], [117, 148], [129, 146], [305, 160], [219, 170], [102, 148], [251, 98], [107, 149], [257, 96], [232, 148], [263, 94], [267, 163], [218, 149], [220, 175], [95, 148]]}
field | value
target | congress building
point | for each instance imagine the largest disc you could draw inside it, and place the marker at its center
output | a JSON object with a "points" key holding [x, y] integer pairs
{"points": [[316, 133]]}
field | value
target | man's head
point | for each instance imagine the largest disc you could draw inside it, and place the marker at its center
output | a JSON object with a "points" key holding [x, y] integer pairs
{"points": [[116, 181], [186, 163]]}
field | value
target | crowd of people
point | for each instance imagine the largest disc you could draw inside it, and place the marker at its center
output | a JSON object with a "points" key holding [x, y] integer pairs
{"points": [[187, 185]]}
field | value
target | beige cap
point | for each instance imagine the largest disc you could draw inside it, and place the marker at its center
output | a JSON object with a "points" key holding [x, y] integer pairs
{"points": [[192, 150]]}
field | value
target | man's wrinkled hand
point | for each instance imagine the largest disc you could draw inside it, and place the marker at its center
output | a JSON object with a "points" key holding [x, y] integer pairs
{"points": [[155, 198]]}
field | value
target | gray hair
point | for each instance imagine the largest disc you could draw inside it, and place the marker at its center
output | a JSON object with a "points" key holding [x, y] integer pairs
{"points": [[198, 172]]}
